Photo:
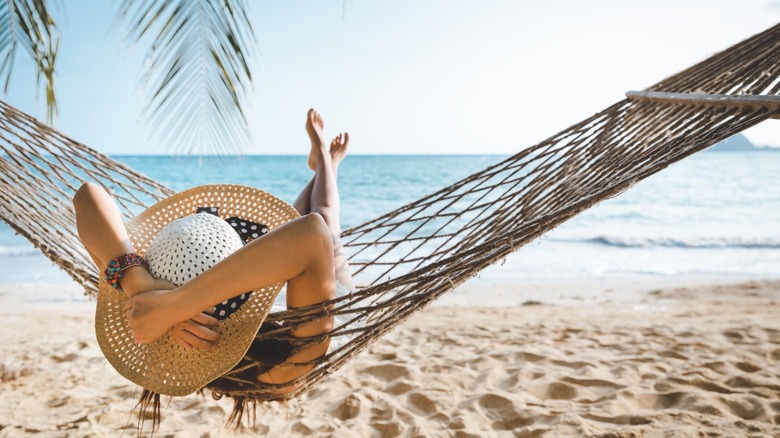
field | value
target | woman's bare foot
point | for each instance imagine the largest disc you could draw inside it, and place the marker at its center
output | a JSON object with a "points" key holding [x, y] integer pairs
{"points": [[338, 149], [314, 126]]}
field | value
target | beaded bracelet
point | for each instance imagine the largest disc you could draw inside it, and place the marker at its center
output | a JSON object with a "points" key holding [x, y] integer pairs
{"points": [[113, 272]]}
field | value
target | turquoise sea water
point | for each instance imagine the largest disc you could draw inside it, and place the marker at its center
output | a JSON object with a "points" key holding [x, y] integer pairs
{"points": [[713, 214]]}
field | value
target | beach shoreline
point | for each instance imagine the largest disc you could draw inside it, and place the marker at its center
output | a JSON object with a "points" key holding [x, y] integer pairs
{"points": [[690, 360], [490, 288]]}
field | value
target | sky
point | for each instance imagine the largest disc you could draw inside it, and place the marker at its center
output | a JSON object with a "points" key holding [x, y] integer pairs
{"points": [[407, 76]]}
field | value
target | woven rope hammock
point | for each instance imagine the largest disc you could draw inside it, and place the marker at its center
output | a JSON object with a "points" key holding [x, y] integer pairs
{"points": [[405, 259]]}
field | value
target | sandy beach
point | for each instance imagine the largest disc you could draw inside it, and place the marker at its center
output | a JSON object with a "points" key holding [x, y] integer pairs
{"points": [[693, 361], [613, 199]]}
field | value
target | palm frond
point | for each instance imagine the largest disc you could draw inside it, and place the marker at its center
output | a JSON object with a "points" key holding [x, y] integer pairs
{"points": [[28, 24], [198, 70]]}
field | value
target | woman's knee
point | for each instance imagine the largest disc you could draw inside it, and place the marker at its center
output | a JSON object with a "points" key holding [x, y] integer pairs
{"points": [[327, 214], [86, 194], [316, 224]]}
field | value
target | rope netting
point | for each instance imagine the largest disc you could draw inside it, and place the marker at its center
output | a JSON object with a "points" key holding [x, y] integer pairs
{"points": [[40, 170], [405, 259]]}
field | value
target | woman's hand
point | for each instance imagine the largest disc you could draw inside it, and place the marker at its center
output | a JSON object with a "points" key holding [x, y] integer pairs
{"points": [[199, 332], [151, 314], [137, 280]]}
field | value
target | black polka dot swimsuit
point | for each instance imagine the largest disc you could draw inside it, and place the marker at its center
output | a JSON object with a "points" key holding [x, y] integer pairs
{"points": [[247, 231]]}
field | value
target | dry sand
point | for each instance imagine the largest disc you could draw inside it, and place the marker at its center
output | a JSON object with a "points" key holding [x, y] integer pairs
{"points": [[701, 361]]}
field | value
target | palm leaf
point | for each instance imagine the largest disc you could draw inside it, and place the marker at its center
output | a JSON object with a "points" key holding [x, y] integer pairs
{"points": [[27, 23], [198, 71]]}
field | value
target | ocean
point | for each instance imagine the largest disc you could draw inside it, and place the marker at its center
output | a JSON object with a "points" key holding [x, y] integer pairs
{"points": [[713, 215]]}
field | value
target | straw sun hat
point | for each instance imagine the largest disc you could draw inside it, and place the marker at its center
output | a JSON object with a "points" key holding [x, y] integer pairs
{"points": [[181, 237]]}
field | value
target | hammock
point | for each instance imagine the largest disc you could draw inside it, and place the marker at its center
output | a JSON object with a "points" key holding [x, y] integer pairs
{"points": [[405, 259]]}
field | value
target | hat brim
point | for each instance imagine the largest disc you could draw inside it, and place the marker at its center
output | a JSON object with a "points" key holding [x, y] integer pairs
{"points": [[164, 366]]}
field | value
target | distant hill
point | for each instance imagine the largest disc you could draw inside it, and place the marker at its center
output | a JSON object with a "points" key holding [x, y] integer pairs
{"points": [[736, 143]]}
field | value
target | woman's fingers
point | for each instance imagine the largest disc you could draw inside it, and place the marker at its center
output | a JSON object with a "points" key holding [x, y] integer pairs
{"points": [[182, 337], [151, 314], [206, 320], [198, 332], [193, 335], [129, 311], [184, 343], [201, 331]]}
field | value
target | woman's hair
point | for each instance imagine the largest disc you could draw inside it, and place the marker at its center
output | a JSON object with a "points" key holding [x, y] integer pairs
{"points": [[262, 355]]}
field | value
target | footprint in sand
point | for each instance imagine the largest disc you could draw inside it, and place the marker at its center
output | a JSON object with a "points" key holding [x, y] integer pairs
{"points": [[590, 390], [554, 391], [527, 356], [593, 382], [422, 403], [633, 420], [398, 388], [672, 355], [572, 364], [66, 358], [348, 409], [705, 408], [381, 413], [757, 385], [702, 383], [748, 367], [689, 401], [774, 334], [310, 426], [717, 366], [745, 407], [503, 412], [660, 401], [390, 428], [388, 372], [743, 336]]}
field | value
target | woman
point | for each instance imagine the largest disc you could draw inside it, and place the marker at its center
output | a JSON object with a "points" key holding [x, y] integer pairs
{"points": [[305, 252]]}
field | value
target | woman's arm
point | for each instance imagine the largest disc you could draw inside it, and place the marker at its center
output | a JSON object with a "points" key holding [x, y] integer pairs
{"points": [[105, 237]]}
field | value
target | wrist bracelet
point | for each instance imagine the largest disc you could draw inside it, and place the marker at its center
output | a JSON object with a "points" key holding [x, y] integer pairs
{"points": [[113, 272]]}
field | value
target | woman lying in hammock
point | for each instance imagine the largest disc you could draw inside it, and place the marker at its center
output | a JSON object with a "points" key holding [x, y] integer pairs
{"points": [[305, 252]]}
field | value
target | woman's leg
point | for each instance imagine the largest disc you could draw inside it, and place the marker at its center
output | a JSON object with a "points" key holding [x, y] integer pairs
{"points": [[324, 191], [324, 201], [338, 150], [302, 201]]}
